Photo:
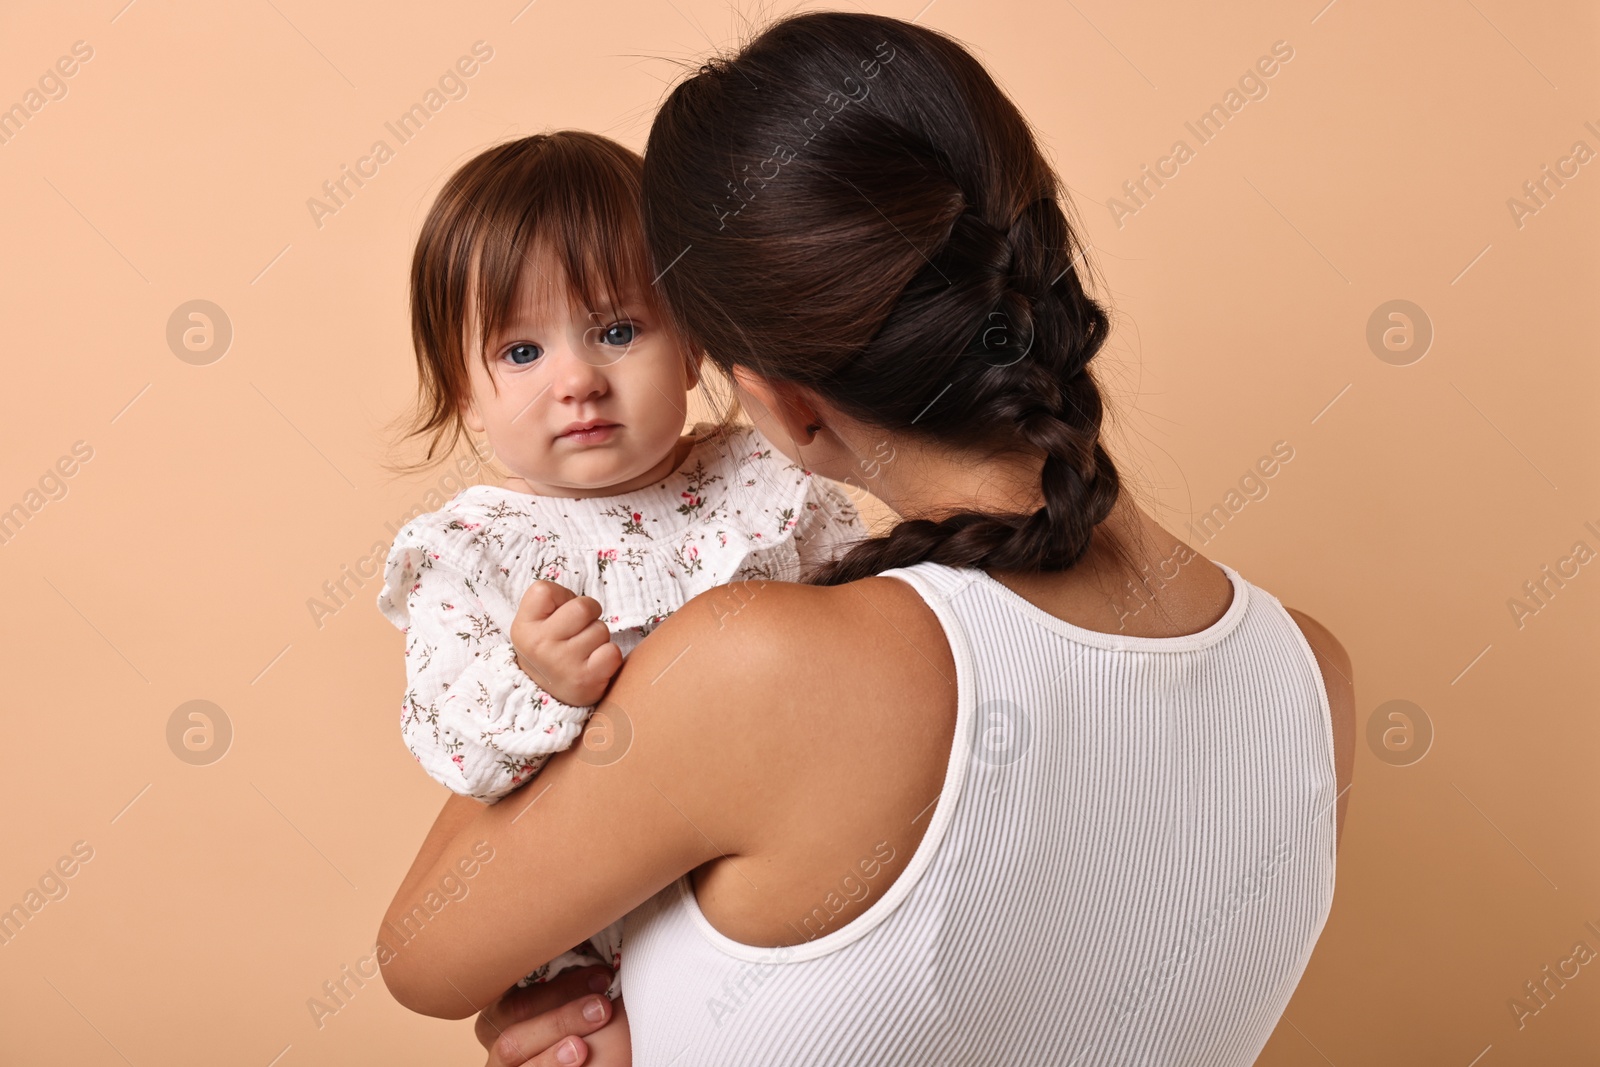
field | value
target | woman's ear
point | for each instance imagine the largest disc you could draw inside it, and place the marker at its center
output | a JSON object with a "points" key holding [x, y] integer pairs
{"points": [[785, 409]]}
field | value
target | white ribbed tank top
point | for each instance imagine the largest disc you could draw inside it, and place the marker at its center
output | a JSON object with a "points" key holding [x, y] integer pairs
{"points": [[1129, 862]]}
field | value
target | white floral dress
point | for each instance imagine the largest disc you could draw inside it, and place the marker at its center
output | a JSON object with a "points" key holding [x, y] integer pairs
{"points": [[735, 509]]}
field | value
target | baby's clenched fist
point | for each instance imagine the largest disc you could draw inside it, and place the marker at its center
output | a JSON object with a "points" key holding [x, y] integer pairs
{"points": [[562, 644]]}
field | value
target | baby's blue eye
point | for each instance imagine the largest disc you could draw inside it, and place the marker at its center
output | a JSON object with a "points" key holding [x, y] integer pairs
{"points": [[619, 333], [523, 354]]}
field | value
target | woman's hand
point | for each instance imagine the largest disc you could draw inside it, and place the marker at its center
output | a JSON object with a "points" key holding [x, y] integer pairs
{"points": [[545, 1025]]}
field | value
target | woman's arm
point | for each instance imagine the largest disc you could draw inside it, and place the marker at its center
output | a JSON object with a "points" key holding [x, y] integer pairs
{"points": [[454, 817], [701, 713]]}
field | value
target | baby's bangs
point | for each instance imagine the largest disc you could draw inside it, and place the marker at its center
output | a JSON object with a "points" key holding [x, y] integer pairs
{"points": [[569, 212], [593, 232]]}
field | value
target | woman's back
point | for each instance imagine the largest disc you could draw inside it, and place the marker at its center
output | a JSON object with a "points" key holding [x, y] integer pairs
{"points": [[1130, 861]]}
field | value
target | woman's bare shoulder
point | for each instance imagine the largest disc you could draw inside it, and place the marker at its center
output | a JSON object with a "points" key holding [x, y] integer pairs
{"points": [[828, 713], [814, 679], [762, 632]]}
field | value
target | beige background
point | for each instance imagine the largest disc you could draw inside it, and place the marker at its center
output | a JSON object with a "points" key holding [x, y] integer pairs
{"points": [[219, 498]]}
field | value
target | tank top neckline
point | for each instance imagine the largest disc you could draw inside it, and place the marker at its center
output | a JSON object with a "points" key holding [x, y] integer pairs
{"points": [[1229, 620]]}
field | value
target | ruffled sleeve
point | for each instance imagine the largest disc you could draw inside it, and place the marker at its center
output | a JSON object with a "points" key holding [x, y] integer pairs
{"points": [[470, 715], [401, 570]]}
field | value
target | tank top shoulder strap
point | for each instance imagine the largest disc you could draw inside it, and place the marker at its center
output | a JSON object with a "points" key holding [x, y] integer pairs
{"points": [[927, 577]]}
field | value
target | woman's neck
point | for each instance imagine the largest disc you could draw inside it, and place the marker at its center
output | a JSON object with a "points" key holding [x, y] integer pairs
{"points": [[926, 480]]}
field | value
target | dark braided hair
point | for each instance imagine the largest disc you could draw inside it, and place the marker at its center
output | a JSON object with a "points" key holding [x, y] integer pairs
{"points": [[851, 204]]}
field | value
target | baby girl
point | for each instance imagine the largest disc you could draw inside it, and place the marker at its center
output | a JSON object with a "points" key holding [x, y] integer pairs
{"points": [[535, 323]]}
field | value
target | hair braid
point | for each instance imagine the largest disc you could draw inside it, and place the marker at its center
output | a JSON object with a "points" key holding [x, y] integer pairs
{"points": [[1037, 385]]}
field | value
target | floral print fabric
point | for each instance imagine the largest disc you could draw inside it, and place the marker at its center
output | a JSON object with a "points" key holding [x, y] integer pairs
{"points": [[736, 509]]}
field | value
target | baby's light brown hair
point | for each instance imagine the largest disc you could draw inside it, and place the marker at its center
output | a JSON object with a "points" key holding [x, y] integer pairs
{"points": [[568, 199]]}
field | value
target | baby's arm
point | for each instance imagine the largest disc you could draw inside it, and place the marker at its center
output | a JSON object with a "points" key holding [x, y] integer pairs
{"points": [[472, 717]]}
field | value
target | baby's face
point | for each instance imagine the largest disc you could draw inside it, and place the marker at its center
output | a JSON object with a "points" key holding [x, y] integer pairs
{"points": [[554, 370]]}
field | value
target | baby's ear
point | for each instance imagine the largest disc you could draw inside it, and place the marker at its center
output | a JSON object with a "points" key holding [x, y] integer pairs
{"points": [[469, 414]]}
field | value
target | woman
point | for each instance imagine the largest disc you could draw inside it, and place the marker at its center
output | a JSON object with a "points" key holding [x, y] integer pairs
{"points": [[1027, 780]]}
